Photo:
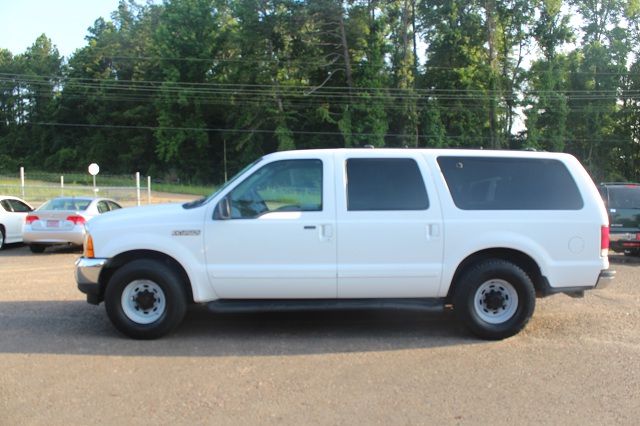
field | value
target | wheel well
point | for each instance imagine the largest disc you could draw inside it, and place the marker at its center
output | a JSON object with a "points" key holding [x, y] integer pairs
{"points": [[518, 258], [123, 258]]}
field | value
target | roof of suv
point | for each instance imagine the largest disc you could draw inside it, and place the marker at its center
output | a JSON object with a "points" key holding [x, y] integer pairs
{"points": [[619, 184], [381, 152]]}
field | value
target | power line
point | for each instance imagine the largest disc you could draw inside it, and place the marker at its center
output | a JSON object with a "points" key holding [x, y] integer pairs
{"points": [[283, 88], [299, 132]]}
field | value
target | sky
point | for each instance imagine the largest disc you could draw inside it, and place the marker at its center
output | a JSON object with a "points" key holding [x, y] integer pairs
{"points": [[65, 22]]}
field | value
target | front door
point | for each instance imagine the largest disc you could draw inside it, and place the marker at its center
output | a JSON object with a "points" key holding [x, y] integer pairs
{"points": [[273, 234]]}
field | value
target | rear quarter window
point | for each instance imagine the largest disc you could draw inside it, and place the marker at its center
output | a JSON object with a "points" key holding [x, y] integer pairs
{"points": [[496, 183]]}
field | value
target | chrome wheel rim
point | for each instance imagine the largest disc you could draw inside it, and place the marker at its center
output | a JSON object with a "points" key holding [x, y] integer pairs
{"points": [[495, 301], [143, 301]]}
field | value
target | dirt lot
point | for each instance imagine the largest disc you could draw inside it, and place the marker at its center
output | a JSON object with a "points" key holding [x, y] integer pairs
{"points": [[61, 362]]}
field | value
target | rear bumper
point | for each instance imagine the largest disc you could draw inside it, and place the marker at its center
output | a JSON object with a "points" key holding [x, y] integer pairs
{"points": [[72, 236], [88, 278], [605, 278], [622, 241]]}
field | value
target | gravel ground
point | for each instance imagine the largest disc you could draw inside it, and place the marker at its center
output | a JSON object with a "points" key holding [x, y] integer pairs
{"points": [[61, 362]]}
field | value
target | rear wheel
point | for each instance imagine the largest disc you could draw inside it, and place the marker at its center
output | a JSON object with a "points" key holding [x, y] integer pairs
{"points": [[37, 248], [145, 299], [494, 299], [1, 237]]}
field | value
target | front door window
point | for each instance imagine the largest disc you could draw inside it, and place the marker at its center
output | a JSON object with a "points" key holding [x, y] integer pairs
{"points": [[289, 185]]}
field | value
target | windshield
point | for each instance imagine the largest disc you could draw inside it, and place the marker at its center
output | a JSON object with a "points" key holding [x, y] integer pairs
{"points": [[201, 201], [624, 197]]}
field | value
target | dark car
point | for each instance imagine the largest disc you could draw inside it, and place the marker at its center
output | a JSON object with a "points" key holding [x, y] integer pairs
{"points": [[623, 205]]}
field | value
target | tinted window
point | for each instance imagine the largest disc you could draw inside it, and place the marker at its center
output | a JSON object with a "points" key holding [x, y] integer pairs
{"points": [[5, 205], [484, 183], [289, 185], [385, 184], [114, 206], [624, 197], [103, 207], [19, 206], [66, 204]]}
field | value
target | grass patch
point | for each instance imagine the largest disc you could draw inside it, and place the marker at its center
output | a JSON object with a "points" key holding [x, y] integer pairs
{"points": [[43, 186], [183, 189]]}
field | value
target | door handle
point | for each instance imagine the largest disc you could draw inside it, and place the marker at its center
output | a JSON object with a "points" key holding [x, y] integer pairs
{"points": [[327, 231], [433, 230]]}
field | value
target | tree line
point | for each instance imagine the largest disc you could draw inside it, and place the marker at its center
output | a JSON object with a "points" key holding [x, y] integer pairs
{"points": [[190, 88]]}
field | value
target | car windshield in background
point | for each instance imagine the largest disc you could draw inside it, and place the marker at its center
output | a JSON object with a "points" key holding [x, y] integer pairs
{"points": [[624, 197], [66, 204]]}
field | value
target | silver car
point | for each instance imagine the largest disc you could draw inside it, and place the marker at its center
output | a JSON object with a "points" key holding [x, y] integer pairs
{"points": [[61, 221], [13, 210]]}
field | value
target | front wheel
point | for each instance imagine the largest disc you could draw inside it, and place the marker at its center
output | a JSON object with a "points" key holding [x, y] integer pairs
{"points": [[145, 299], [494, 299]]}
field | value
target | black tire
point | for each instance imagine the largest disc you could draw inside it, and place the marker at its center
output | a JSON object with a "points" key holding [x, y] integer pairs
{"points": [[2, 236], [37, 248], [494, 299], [155, 301]]}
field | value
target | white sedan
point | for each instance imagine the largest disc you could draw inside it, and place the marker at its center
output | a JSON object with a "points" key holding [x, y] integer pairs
{"points": [[13, 210], [61, 221]]}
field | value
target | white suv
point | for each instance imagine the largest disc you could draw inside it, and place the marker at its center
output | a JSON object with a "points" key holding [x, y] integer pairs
{"points": [[483, 231]]}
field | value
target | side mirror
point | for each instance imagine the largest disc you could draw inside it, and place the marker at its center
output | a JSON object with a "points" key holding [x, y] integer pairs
{"points": [[223, 210]]}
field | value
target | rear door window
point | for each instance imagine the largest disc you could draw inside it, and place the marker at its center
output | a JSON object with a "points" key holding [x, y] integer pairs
{"points": [[113, 206], [19, 206], [385, 184], [103, 207], [496, 183]]}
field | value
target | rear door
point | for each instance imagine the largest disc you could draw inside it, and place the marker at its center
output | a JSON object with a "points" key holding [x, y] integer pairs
{"points": [[390, 231]]}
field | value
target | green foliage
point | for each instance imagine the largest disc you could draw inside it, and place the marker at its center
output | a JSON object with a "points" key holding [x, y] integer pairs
{"points": [[192, 90]]}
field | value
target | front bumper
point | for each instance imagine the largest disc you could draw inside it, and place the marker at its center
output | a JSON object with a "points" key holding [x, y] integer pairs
{"points": [[88, 275]]}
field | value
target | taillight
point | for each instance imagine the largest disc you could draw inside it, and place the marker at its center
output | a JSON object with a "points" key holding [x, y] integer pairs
{"points": [[30, 219], [604, 241], [76, 219]]}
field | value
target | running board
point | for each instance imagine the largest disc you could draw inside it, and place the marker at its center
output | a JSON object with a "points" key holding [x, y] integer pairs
{"points": [[280, 305]]}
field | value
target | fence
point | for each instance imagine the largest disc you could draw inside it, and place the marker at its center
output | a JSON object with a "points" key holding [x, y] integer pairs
{"points": [[40, 188]]}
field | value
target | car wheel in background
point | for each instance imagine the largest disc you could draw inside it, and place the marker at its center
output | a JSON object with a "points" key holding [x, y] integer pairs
{"points": [[37, 248]]}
